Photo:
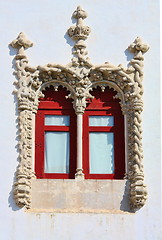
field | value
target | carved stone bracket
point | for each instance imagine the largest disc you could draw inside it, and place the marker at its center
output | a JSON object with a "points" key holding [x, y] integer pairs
{"points": [[79, 77]]}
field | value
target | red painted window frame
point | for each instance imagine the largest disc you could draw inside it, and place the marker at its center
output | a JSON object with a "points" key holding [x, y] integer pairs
{"points": [[103, 104], [48, 106], [101, 108]]}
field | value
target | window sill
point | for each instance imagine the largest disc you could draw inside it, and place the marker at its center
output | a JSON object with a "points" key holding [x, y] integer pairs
{"points": [[70, 195]]}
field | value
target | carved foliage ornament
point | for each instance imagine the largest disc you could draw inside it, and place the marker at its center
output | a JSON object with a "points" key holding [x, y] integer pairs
{"points": [[79, 77]]}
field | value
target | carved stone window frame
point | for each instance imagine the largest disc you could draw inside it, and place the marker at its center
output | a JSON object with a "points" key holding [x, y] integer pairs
{"points": [[79, 77]]}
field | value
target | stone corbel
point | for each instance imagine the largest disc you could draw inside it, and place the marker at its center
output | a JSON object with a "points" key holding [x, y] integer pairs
{"points": [[79, 77]]}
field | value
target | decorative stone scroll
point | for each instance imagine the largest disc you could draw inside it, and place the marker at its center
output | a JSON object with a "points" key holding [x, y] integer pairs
{"points": [[79, 77]]}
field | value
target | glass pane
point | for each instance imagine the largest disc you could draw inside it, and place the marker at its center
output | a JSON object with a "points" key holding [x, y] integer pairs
{"points": [[101, 153], [101, 121], [57, 120], [57, 152]]}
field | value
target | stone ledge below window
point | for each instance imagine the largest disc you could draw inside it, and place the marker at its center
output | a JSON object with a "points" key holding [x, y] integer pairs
{"points": [[70, 195]]}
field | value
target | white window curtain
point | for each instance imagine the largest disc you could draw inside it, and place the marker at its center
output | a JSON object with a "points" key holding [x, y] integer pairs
{"points": [[101, 121], [101, 146], [57, 146], [57, 120], [101, 152]]}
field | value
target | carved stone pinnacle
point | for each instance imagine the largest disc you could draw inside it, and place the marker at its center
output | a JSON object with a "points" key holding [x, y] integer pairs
{"points": [[79, 33], [21, 41], [79, 13], [138, 45]]}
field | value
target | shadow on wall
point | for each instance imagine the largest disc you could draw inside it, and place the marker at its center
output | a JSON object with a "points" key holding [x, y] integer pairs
{"points": [[124, 205], [129, 55], [12, 52], [11, 200], [69, 40]]}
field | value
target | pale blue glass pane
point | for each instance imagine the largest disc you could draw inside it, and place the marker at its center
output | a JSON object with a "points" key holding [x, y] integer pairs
{"points": [[57, 152], [57, 120], [101, 153], [101, 121]]}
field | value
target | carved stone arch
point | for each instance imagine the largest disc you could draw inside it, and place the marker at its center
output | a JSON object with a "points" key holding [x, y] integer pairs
{"points": [[79, 77], [114, 86], [56, 84]]}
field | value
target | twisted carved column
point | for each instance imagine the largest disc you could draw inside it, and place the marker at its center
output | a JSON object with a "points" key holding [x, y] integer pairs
{"points": [[25, 92]]}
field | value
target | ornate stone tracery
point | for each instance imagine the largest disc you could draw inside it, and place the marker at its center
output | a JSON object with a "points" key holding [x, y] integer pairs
{"points": [[80, 77]]}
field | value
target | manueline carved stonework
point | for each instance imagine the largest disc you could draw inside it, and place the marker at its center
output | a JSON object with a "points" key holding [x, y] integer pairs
{"points": [[79, 77]]}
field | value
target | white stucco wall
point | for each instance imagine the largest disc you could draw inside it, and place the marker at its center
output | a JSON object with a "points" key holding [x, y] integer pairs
{"points": [[115, 24]]}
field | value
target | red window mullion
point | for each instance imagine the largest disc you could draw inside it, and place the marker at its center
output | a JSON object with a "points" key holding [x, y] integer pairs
{"points": [[57, 128], [39, 145], [101, 129], [73, 146], [119, 148], [85, 144], [55, 175]]}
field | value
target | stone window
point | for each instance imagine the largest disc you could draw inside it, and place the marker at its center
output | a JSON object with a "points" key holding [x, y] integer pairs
{"points": [[80, 77]]}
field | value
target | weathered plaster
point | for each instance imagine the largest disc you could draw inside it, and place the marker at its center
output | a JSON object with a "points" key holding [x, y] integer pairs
{"points": [[64, 195]]}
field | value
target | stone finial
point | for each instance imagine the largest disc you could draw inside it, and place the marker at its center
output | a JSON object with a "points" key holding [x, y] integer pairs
{"points": [[79, 13], [79, 33], [21, 41], [138, 45]]}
